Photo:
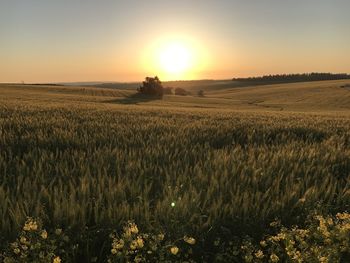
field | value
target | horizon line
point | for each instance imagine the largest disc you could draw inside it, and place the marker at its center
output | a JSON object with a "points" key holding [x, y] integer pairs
{"points": [[177, 80]]}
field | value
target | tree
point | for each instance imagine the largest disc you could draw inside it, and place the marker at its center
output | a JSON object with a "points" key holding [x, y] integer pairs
{"points": [[151, 86], [181, 92]]}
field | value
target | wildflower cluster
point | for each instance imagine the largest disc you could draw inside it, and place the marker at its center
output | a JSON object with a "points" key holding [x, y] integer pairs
{"points": [[133, 246], [325, 239], [35, 244]]}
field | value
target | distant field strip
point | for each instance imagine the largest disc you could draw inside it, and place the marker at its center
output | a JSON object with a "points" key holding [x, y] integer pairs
{"points": [[320, 96]]}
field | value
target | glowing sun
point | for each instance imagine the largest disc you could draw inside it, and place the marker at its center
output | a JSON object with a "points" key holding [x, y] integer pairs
{"points": [[175, 58]]}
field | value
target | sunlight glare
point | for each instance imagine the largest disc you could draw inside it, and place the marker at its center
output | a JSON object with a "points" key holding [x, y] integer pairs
{"points": [[175, 58]]}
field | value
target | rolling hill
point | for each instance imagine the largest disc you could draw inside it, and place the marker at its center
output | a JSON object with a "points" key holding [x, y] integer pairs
{"points": [[323, 96]]}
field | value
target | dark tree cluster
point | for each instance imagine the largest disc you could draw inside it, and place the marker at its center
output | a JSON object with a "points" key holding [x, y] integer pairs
{"points": [[200, 93], [151, 86], [181, 92], [296, 77]]}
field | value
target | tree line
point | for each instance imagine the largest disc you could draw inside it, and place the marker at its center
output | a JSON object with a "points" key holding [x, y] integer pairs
{"points": [[296, 77]]}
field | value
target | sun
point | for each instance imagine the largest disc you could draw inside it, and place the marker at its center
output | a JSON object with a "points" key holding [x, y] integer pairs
{"points": [[175, 58]]}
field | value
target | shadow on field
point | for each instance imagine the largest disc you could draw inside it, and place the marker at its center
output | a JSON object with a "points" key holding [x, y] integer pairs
{"points": [[134, 99]]}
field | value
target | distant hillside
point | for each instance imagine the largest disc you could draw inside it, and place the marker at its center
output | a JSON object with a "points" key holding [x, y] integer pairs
{"points": [[209, 85], [108, 85], [312, 96], [300, 96]]}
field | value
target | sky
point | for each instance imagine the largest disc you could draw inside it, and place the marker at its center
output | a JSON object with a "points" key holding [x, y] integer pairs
{"points": [[105, 40]]}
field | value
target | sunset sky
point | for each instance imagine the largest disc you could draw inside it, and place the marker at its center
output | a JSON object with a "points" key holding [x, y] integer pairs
{"points": [[88, 40]]}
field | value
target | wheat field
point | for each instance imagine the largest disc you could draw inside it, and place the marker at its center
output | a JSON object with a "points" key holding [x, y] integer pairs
{"points": [[88, 159]]}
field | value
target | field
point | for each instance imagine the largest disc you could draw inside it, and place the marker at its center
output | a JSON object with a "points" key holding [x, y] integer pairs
{"points": [[88, 159]]}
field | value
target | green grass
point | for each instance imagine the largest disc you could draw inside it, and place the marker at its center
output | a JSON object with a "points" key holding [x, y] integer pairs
{"points": [[78, 157]]}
